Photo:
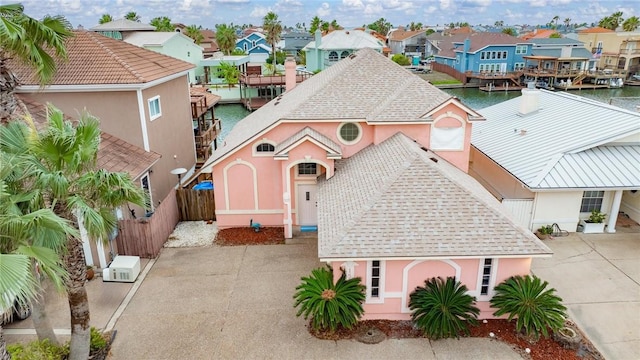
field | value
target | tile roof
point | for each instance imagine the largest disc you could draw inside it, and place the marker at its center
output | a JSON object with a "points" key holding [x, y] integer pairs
{"points": [[114, 154], [395, 199], [94, 59], [283, 147], [538, 34], [123, 25], [596, 29], [479, 41], [196, 93], [566, 128], [344, 91], [347, 39]]}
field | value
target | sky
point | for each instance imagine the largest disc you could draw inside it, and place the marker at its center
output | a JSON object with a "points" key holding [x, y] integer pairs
{"points": [[348, 13]]}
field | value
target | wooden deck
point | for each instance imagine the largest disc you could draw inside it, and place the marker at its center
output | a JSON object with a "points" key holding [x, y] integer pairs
{"points": [[254, 103]]}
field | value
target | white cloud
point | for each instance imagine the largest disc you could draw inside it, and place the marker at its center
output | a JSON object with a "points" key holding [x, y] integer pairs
{"points": [[323, 10], [357, 4], [445, 4], [233, 1], [259, 11], [373, 9], [430, 10]]}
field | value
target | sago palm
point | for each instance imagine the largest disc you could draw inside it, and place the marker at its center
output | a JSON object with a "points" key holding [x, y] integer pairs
{"points": [[330, 305], [527, 299], [442, 308]]}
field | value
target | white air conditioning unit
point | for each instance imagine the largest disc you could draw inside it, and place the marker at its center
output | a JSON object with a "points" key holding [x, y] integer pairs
{"points": [[122, 269]]}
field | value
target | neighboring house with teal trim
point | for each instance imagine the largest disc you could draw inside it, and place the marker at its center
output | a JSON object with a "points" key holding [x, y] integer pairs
{"points": [[338, 44], [479, 52], [173, 44], [255, 45]]}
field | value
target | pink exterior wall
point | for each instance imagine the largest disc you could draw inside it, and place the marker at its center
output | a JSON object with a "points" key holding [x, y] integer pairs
{"points": [[401, 277]]}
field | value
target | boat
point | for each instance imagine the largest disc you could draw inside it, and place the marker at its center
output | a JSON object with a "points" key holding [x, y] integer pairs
{"points": [[616, 82], [636, 77]]}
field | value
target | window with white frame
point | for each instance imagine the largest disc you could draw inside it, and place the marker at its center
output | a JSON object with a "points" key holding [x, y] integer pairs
{"points": [[265, 148], [486, 276], [521, 49], [344, 54], [591, 200], [307, 169], [349, 133], [155, 111], [374, 281]]}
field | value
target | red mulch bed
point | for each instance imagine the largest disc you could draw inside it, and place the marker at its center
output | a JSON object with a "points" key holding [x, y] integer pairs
{"points": [[248, 236], [543, 349]]}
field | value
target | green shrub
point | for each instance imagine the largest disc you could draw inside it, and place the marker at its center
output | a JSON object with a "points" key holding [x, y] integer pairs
{"points": [[38, 350], [329, 304], [401, 59], [528, 299], [597, 217], [442, 308], [546, 230], [98, 342]]}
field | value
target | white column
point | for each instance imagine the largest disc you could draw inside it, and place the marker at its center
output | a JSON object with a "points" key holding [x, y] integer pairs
{"points": [[102, 258], [613, 214]]}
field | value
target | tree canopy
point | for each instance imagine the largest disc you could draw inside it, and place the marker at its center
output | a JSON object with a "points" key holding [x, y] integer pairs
{"points": [[162, 23], [133, 16], [105, 18], [273, 28], [193, 31], [226, 38]]}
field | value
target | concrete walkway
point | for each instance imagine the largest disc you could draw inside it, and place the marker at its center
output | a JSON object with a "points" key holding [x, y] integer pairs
{"points": [[598, 276], [237, 303]]}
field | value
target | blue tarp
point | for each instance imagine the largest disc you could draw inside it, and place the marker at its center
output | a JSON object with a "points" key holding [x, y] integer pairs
{"points": [[205, 185]]}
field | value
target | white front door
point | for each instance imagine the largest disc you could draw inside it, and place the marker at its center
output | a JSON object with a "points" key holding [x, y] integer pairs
{"points": [[307, 205]]}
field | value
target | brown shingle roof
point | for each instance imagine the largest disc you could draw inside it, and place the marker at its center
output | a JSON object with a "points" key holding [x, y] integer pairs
{"points": [[95, 59], [114, 154], [402, 34]]}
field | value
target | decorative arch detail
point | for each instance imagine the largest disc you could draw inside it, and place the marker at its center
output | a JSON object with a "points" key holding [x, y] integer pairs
{"points": [[254, 172]]}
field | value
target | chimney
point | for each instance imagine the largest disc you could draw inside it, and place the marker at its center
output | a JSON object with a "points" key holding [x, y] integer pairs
{"points": [[530, 100], [290, 73]]}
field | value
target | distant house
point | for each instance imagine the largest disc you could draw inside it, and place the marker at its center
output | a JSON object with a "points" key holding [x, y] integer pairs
{"points": [[121, 28], [410, 43], [538, 34], [613, 50], [255, 45], [336, 45], [293, 42], [479, 52], [173, 44], [140, 96], [566, 50], [552, 158], [374, 159]]}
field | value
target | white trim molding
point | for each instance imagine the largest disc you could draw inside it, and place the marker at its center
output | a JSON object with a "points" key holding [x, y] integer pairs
{"points": [[149, 102], [256, 153], [381, 281], [143, 121], [492, 280], [349, 268], [405, 279], [225, 175], [354, 141]]}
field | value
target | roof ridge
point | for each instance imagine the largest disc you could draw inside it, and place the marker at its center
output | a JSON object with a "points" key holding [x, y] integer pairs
{"points": [[392, 97], [114, 56]]}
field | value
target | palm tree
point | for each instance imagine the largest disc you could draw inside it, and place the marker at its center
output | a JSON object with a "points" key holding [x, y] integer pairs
{"points": [[381, 25], [567, 24], [226, 38], [162, 23], [631, 24], [555, 20], [28, 237], [334, 25], [133, 16], [273, 27], [315, 24], [499, 23], [64, 160], [193, 31], [24, 38], [105, 18]]}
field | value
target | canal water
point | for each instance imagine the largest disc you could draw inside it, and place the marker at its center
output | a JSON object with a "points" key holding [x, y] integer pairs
{"points": [[627, 97]]}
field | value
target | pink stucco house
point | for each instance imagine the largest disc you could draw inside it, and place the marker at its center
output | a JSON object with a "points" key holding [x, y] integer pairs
{"points": [[375, 159]]}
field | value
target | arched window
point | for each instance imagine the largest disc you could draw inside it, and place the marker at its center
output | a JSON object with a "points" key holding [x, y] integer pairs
{"points": [[265, 147], [344, 54], [333, 56]]}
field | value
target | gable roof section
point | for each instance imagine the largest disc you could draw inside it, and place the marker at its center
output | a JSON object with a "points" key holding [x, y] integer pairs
{"points": [[596, 29], [114, 154], [347, 39], [366, 86], [566, 130], [94, 59], [333, 150], [155, 38], [403, 34], [123, 25], [416, 206]]}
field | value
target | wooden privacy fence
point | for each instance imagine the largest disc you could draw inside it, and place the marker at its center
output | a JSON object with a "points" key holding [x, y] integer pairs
{"points": [[196, 204], [449, 71], [145, 237]]}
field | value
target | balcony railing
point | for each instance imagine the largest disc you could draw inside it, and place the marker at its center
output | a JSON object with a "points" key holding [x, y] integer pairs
{"points": [[629, 51]]}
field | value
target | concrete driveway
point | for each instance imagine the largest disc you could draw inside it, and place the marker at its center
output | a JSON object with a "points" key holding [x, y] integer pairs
{"points": [[598, 276], [236, 303]]}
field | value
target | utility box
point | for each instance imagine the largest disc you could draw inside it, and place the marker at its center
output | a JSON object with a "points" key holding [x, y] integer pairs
{"points": [[122, 269]]}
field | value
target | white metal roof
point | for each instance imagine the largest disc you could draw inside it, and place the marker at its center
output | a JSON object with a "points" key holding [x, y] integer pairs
{"points": [[562, 145], [347, 40], [395, 199], [154, 38]]}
